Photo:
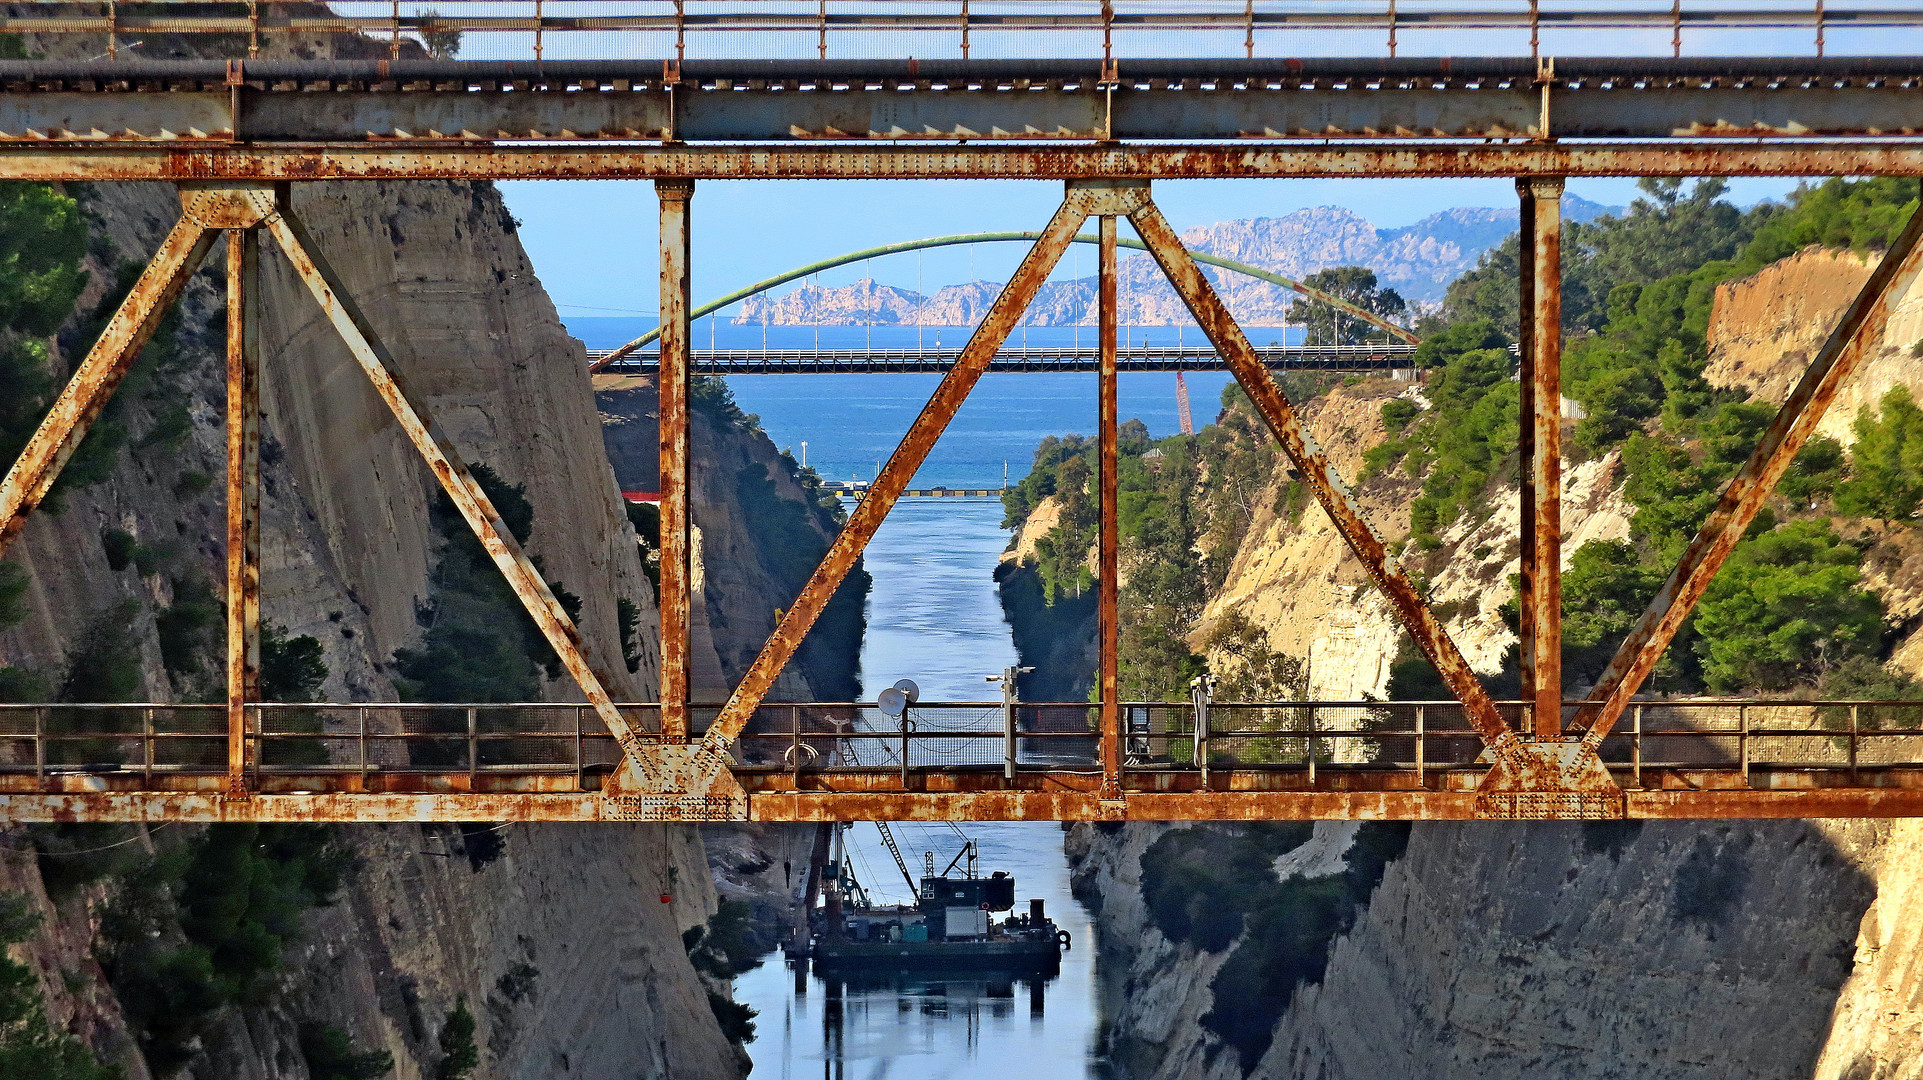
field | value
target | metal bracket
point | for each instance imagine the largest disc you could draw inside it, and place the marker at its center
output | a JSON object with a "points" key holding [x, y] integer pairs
{"points": [[1108, 198], [1559, 780], [673, 782], [227, 205]]}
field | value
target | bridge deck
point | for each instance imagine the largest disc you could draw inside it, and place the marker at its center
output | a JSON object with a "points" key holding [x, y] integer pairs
{"points": [[1377, 358], [814, 762]]}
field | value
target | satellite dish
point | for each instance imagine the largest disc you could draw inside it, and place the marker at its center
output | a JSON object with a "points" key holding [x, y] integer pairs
{"points": [[892, 702], [908, 690]]}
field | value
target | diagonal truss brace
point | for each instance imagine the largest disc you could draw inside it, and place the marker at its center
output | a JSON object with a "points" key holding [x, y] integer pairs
{"points": [[1309, 459], [1841, 354], [32, 475], [438, 451], [1081, 201], [208, 211]]}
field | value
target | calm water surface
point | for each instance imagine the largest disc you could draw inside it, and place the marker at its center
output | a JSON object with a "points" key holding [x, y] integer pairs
{"points": [[933, 617]]}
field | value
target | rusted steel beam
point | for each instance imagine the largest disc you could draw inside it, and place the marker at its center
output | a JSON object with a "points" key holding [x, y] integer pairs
{"points": [[1540, 426], [1859, 329], [1108, 543], [677, 574], [358, 333], [32, 475], [243, 498], [919, 806], [1335, 497], [900, 469], [399, 160]]}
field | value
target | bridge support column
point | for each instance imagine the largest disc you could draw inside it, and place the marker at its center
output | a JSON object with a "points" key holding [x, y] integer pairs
{"points": [[1860, 328], [1108, 543], [243, 499], [1540, 417], [676, 531]]}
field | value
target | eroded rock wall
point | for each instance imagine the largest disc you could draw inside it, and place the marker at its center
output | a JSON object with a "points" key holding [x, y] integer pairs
{"points": [[348, 553]]}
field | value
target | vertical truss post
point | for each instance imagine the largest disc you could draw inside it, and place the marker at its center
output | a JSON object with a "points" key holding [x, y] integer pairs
{"points": [[1080, 202], [1107, 557], [1861, 325], [1343, 509], [1540, 418], [338, 307], [85, 395], [676, 534], [243, 500]]}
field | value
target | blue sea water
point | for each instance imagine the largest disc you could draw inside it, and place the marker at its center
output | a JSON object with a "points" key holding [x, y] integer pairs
{"points": [[850, 423]]}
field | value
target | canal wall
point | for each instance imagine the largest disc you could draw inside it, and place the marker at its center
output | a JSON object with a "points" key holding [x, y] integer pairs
{"points": [[1740, 949], [555, 938]]}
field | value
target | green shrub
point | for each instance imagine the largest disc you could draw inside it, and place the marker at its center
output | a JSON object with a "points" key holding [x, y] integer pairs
{"points": [[480, 644], [737, 1020], [724, 947], [1786, 606], [291, 669], [1886, 461], [459, 1056], [30, 1046], [119, 545], [331, 1055], [237, 893], [191, 626], [191, 483]]}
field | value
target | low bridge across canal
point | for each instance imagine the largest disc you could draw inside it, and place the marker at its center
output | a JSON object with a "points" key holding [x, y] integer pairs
{"points": [[1395, 360]]}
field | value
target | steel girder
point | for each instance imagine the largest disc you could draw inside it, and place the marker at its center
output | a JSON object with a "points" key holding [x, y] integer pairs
{"points": [[412, 160], [264, 102]]}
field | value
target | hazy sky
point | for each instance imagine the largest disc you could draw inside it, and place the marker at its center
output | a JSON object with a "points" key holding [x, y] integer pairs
{"points": [[594, 242]]}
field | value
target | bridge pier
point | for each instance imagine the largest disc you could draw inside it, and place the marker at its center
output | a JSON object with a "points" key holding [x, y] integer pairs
{"points": [[677, 570]]}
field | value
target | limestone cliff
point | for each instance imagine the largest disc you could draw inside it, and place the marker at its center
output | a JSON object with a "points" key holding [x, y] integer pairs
{"points": [[1754, 949], [561, 946]]}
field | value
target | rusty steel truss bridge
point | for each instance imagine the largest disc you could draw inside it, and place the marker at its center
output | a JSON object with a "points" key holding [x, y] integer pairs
{"points": [[237, 135]]}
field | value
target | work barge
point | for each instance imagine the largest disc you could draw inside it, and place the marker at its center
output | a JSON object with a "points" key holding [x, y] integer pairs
{"points": [[237, 135]]}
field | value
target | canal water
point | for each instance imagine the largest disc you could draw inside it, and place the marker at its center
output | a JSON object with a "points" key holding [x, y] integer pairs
{"points": [[934, 617]]}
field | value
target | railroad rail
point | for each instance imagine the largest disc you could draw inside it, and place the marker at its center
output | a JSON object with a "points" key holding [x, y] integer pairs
{"points": [[848, 761], [1352, 358]]}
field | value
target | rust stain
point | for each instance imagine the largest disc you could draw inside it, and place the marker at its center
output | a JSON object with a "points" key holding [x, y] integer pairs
{"points": [[1540, 431], [672, 409]]}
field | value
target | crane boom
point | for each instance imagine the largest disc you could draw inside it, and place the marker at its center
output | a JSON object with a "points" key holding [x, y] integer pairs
{"points": [[888, 838]]}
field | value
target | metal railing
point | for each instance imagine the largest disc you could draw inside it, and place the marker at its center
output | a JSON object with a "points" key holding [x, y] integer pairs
{"points": [[686, 29], [135, 746], [1377, 357]]}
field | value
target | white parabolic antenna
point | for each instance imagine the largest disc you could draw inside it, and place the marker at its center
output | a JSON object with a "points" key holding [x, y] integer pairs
{"points": [[908, 690], [892, 701]]}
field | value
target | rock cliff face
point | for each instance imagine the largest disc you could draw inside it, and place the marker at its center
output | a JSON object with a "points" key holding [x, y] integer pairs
{"points": [[1756, 949], [570, 961]]}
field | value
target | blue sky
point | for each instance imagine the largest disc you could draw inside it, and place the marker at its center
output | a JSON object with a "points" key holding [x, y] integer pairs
{"points": [[594, 242]]}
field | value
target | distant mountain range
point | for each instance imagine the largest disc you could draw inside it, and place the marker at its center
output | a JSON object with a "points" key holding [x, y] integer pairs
{"points": [[1416, 260]]}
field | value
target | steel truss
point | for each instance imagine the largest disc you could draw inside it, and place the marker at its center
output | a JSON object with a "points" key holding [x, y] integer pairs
{"points": [[1547, 769]]}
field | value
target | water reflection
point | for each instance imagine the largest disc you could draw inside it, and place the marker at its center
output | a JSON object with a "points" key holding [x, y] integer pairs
{"points": [[933, 617]]}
